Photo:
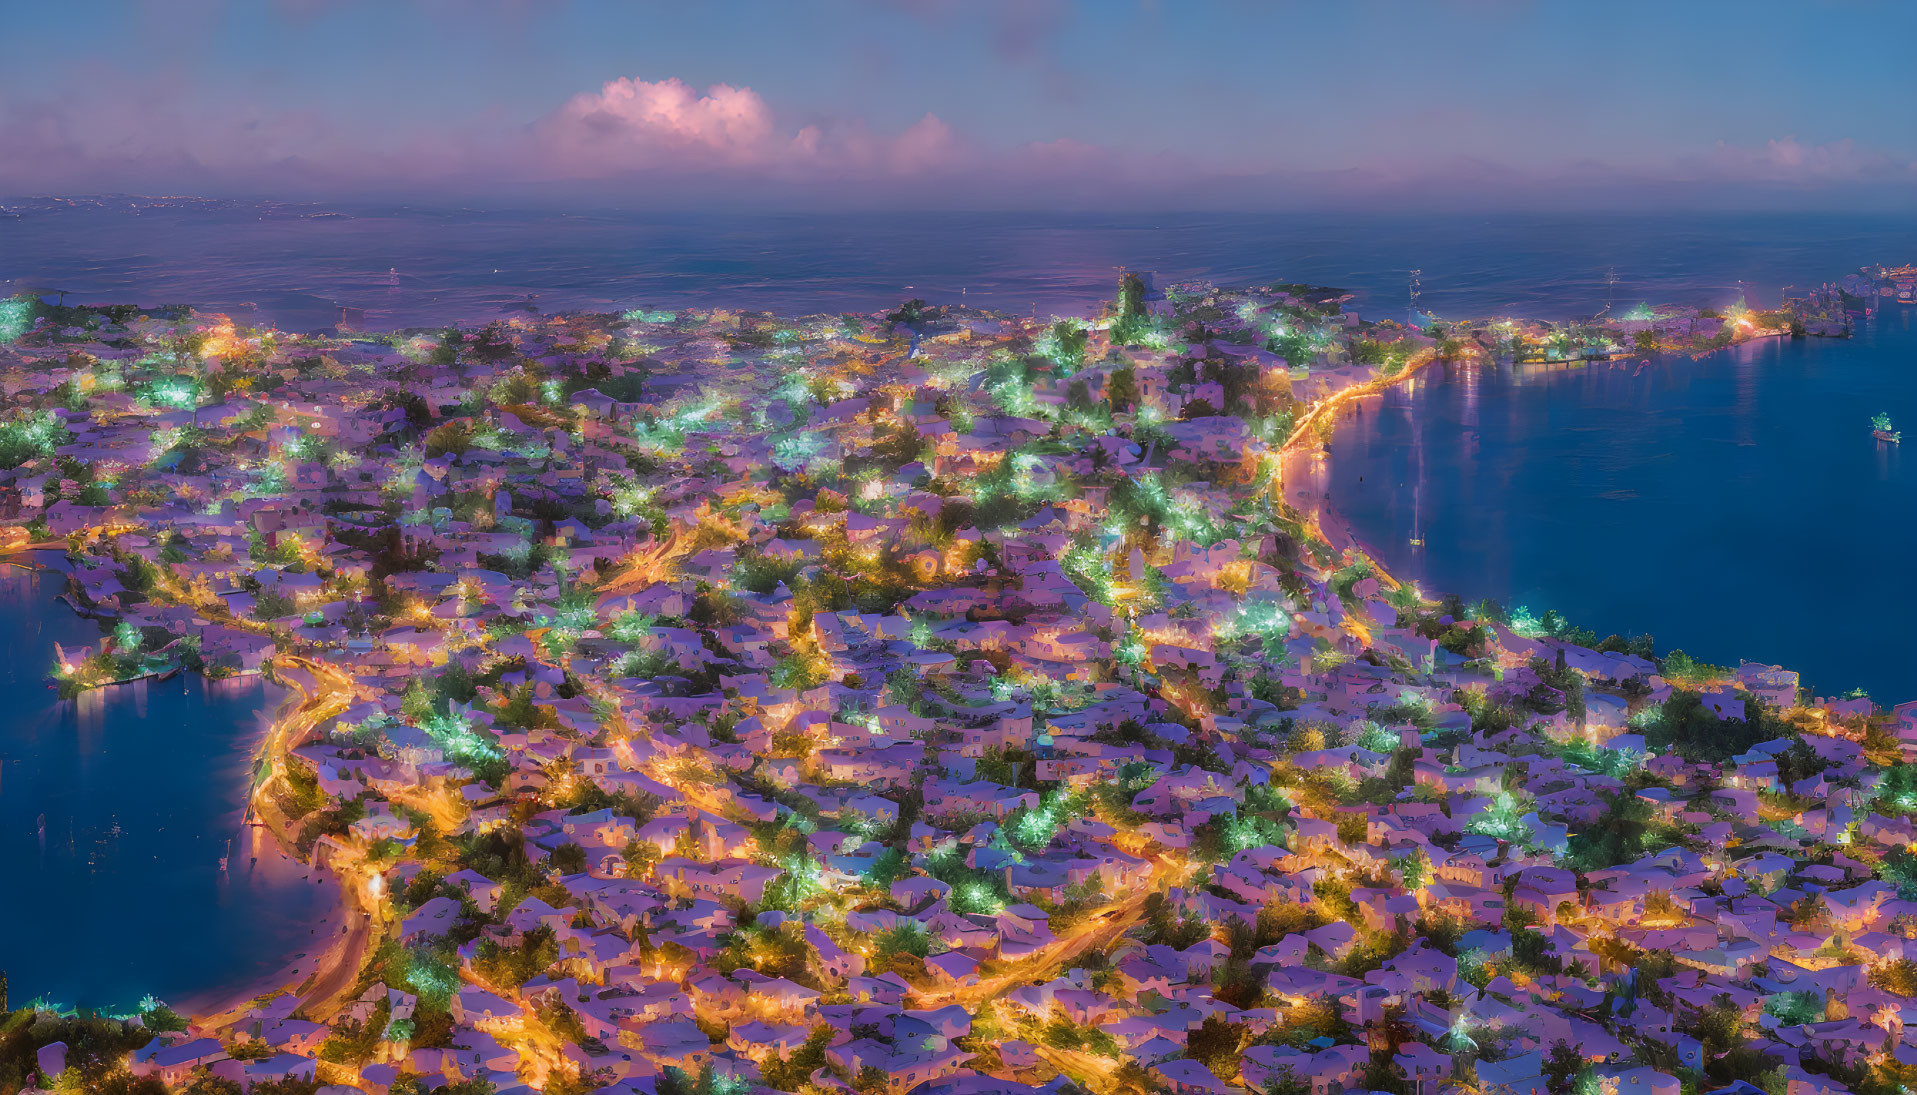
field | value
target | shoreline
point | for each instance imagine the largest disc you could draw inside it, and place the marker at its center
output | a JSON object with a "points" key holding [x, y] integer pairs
{"points": [[1301, 451], [714, 472], [336, 942], [345, 947], [271, 853], [218, 1008], [1298, 482], [1304, 483]]}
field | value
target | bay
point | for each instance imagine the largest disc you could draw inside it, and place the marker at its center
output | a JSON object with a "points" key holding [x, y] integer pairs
{"points": [[115, 810]]}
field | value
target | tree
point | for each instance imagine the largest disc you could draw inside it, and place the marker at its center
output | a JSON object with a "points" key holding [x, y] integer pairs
{"points": [[1685, 724], [1216, 1045], [1131, 296], [568, 859], [898, 445], [1562, 1067], [416, 703], [455, 683], [1684, 669], [510, 967], [792, 1072], [453, 437], [1068, 341], [1121, 390], [1617, 837], [1898, 977], [271, 605]]}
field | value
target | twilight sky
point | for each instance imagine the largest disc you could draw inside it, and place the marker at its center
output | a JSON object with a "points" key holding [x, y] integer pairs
{"points": [[969, 103]]}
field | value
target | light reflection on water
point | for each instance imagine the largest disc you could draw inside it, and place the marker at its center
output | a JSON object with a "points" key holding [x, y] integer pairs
{"points": [[1734, 506], [114, 812], [1613, 499]]}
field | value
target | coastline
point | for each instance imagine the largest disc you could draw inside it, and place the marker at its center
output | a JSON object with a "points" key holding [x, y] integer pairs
{"points": [[1303, 451], [348, 931], [275, 866], [343, 935], [1304, 481], [1300, 483], [220, 1008], [645, 730]]}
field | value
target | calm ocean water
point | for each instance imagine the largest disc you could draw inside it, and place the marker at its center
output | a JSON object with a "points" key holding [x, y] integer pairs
{"points": [[140, 790], [1735, 507], [415, 267]]}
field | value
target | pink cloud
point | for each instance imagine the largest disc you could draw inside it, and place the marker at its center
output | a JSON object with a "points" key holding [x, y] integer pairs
{"points": [[669, 140], [656, 127], [637, 124], [926, 144]]}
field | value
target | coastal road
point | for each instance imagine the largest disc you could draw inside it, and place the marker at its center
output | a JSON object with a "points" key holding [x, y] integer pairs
{"points": [[1306, 426], [338, 967], [326, 993], [1304, 430]]}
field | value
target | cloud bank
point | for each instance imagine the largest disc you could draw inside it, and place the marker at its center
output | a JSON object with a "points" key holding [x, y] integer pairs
{"points": [[636, 127], [663, 140]]}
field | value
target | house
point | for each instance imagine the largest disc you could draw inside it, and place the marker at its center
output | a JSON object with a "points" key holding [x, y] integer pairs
{"points": [[173, 1062], [1519, 1074], [434, 918], [1187, 1077]]}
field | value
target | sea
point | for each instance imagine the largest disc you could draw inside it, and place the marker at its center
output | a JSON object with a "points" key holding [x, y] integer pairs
{"points": [[296, 265], [1734, 506], [116, 812]]}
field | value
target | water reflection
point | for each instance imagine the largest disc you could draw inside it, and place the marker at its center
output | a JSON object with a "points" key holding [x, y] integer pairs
{"points": [[115, 810], [1734, 506]]}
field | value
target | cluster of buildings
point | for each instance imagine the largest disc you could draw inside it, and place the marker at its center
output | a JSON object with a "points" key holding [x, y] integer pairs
{"points": [[939, 702]]}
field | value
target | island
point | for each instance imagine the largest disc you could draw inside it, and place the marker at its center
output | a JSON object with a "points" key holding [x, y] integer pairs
{"points": [[937, 700]]}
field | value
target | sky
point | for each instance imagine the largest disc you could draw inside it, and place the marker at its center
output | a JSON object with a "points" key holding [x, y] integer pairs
{"points": [[969, 103]]}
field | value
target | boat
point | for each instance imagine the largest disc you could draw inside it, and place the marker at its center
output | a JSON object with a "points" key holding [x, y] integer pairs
{"points": [[1881, 429]]}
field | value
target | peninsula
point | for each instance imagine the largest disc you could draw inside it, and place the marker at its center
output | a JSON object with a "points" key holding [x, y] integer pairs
{"points": [[938, 701]]}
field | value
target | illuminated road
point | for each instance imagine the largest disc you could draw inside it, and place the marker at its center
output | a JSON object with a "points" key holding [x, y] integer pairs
{"points": [[1100, 930], [321, 993], [648, 566]]}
